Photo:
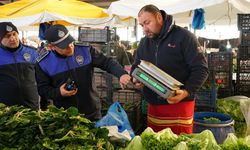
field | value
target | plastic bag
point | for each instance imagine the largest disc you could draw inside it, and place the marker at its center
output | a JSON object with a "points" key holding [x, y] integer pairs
{"points": [[245, 109], [116, 116], [198, 21], [243, 105], [116, 135]]}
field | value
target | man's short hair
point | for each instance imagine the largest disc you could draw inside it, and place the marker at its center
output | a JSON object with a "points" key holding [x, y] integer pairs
{"points": [[149, 8]]}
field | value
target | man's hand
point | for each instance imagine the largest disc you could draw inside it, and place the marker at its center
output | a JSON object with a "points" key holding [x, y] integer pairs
{"points": [[66, 93], [179, 95], [124, 80], [137, 84]]}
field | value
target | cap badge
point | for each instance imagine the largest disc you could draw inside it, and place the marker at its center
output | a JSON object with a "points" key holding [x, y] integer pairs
{"points": [[9, 28], [79, 59], [61, 34], [27, 56]]}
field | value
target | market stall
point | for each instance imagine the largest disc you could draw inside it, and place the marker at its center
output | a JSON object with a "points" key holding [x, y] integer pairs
{"points": [[122, 125], [28, 12]]}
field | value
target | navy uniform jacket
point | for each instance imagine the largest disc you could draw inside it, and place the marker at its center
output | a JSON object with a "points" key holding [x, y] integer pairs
{"points": [[53, 70], [17, 77]]}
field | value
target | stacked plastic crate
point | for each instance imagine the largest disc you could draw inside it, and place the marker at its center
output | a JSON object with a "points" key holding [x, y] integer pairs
{"points": [[109, 91], [102, 38], [94, 35], [219, 82], [205, 99], [220, 65], [103, 83], [130, 98], [243, 57]]}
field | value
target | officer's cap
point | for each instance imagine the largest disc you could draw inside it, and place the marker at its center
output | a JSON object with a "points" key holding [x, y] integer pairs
{"points": [[6, 27], [59, 36]]}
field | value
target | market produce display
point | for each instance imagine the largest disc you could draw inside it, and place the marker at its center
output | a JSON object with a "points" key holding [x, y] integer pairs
{"points": [[23, 129], [167, 140]]}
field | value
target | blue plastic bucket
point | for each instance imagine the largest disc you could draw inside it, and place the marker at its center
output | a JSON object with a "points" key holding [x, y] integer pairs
{"points": [[219, 129]]}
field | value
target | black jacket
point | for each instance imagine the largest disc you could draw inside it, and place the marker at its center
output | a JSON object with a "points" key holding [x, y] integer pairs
{"points": [[53, 70], [17, 77], [175, 51]]}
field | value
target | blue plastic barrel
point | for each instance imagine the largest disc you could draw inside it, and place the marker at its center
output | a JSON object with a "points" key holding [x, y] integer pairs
{"points": [[219, 129]]}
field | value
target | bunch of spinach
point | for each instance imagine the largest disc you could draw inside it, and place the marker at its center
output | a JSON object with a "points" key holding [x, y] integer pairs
{"points": [[211, 120], [21, 128]]}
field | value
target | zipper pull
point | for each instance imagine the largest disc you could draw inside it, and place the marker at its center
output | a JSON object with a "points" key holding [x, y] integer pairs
{"points": [[156, 52]]}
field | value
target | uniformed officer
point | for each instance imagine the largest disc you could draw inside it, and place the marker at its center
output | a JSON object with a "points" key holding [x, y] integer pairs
{"points": [[17, 69], [73, 64]]}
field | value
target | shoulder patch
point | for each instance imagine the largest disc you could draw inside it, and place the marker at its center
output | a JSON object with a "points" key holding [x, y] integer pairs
{"points": [[41, 56]]}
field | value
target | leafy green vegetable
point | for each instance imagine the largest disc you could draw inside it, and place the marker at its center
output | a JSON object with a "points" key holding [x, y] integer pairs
{"points": [[135, 144], [230, 143], [181, 146], [211, 120], [149, 139], [166, 139], [22, 129], [207, 136], [234, 143], [232, 108]]}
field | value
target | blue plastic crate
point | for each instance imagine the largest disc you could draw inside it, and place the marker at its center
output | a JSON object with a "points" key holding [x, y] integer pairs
{"points": [[206, 98], [222, 93]]}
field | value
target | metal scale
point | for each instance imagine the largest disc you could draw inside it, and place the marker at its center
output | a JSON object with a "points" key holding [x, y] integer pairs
{"points": [[156, 79]]}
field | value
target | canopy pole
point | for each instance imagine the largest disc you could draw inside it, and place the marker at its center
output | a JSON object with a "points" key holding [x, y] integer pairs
{"points": [[127, 33], [135, 30]]}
